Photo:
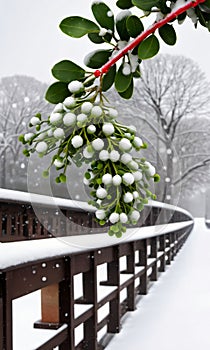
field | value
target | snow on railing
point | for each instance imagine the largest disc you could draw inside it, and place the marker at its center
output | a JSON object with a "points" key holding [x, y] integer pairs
{"points": [[30, 216], [113, 274]]}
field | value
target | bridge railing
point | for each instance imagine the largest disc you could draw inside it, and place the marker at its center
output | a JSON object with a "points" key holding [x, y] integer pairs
{"points": [[113, 274], [26, 216]]}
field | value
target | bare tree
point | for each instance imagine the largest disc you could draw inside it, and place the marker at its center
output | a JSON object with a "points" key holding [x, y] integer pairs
{"points": [[170, 106], [21, 97]]}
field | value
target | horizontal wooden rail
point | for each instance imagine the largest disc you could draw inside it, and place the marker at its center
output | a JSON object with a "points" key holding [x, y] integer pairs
{"points": [[25, 216], [112, 275]]}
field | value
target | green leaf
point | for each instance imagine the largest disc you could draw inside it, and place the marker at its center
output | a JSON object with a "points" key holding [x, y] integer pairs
{"points": [[57, 92], [134, 26], [103, 15], [124, 4], [182, 17], [76, 26], [122, 81], [203, 17], [148, 47], [163, 7], [97, 39], [205, 6], [97, 58], [67, 71], [108, 79], [145, 5], [127, 93], [168, 34], [137, 73], [121, 27]]}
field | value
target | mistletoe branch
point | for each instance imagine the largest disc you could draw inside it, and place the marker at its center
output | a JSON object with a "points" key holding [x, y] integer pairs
{"points": [[83, 128], [105, 68]]}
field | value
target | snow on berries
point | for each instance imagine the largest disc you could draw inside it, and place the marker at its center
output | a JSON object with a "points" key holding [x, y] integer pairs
{"points": [[100, 214], [55, 117], [85, 131], [107, 179], [114, 217], [41, 147], [128, 197], [69, 102], [91, 129], [98, 144], [104, 155], [116, 180], [96, 111], [101, 193], [114, 156], [123, 218], [35, 121], [108, 129], [59, 133], [77, 141], [75, 86], [69, 119], [125, 145], [86, 107], [128, 178]]}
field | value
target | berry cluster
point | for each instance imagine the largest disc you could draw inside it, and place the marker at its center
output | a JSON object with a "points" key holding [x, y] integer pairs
{"points": [[84, 130]]}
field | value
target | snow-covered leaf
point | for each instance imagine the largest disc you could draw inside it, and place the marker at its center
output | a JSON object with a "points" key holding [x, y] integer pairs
{"points": [[103, 15]]}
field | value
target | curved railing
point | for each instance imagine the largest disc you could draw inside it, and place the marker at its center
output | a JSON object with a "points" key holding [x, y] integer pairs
{"points": [[32, 216], [113, 273]]}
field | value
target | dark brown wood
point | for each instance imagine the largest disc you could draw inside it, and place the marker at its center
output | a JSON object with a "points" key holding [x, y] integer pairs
{"points": [[153, 255], [162, 247], [2, 301], [66, 302], [143, 289], [90, 297], [55, 277], [20, 220]]}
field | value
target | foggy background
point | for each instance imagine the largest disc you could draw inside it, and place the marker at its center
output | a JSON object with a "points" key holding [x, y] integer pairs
{"points": [[31, 43]]}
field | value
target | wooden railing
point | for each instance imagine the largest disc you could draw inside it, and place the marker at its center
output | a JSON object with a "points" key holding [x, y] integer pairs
{"points": [[113, 274], [25, 216]]}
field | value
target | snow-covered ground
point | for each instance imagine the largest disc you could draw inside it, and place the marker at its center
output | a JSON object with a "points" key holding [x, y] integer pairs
{"points": [[174, 315]]}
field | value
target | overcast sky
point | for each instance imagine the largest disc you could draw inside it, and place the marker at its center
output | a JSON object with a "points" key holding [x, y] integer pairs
{"points": [[31, 42]]}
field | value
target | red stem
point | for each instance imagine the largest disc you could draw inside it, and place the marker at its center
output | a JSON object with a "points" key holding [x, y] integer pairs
{"points": [[104, 69]]}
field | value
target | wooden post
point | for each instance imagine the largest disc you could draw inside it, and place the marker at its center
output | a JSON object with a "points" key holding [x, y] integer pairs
{"points": [[154, 255], [90, 297], [113, 274], [50, 304], [130, 259], [163, 257], [143, 262], [49, 308], [2, 327]]}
